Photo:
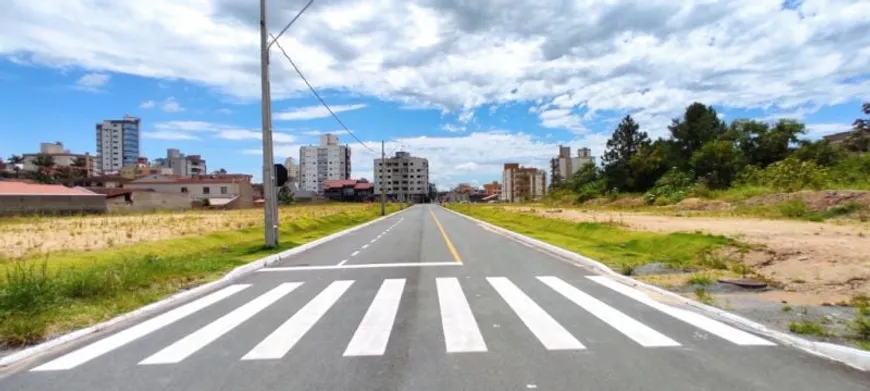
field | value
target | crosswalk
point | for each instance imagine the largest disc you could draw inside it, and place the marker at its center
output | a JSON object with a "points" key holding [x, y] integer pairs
{"points": [[459, 325]]}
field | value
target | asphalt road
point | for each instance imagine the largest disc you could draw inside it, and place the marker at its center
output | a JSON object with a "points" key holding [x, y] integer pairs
{"points": [[427, 300]]}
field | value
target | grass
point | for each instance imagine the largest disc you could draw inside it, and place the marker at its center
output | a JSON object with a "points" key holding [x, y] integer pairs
{"points": [[703, 296], [701, 279], [621, 249], [24, 237], [45, 295], [807, 327]]}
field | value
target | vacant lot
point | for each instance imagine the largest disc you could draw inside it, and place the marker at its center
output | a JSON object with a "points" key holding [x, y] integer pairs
{"points": [[26, 237], [814, 263]]}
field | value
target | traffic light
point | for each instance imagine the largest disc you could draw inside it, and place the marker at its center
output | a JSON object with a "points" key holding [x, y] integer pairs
{"points": [[280, 175]]}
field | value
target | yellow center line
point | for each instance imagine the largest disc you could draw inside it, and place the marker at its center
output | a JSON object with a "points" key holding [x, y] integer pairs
{"points": [[446, 239]]}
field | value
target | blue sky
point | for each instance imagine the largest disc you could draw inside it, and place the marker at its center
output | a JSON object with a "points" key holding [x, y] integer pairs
{"points": [[464, 86]]}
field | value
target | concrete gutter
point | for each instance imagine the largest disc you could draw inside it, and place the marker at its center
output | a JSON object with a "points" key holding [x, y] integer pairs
{"points": [[852, 357], [180, 297]]}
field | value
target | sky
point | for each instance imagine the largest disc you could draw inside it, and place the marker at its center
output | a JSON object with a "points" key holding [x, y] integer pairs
{"points": [[469, 85]]}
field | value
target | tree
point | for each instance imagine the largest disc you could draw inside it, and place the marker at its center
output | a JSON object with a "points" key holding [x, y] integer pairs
{"points": [[820, 152], [762, 144], [44, 168], [16, 161], [718, 163], [80, 166], [285, 195], [66, 174], [651, 163], [626, 141], [700, 124]]}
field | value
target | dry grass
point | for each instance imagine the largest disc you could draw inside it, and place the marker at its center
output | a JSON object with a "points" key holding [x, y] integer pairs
{"points": [[26, 237]]}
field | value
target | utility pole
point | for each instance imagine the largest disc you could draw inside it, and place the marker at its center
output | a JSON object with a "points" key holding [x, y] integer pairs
{"points": [[383, 194], [270, 194]]}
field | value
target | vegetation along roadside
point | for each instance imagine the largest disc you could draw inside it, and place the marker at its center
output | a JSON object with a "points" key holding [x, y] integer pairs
{"points": [[45, 295]]}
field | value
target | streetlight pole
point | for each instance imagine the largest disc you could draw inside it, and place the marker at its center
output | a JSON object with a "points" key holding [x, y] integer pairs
{"points": [[270, 194]]}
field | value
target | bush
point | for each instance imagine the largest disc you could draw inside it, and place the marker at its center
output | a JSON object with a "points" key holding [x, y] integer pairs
{"points": [[670, 188], [29, 287], [788, 175], [794, 209], [591, 190]]}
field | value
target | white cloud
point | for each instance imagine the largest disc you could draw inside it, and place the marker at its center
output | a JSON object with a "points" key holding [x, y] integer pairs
{"points": [[649, 58], [168, 135], [224, 111], [313, 112], [148, 104], [91, 82], [453, 128], [171, 105], [816, 131], [244, 134]]}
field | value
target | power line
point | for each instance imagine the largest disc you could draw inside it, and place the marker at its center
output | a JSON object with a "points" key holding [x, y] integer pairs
{"points": [[314, 91], [275, 39]]}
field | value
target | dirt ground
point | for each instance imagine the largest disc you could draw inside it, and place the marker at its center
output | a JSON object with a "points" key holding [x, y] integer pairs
{"points": [[39, 235], [816, 263]]}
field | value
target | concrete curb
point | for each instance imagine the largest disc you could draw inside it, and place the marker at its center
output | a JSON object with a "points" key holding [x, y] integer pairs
{"points": [[170, 301], [852, 357]]}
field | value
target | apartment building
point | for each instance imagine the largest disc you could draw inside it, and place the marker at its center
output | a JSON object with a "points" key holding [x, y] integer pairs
{"points": [[181, 164], [404, 177], [61, 156], [564, 166], [521, 184], [327, 161], [117, 144], [292, 170], [493, 188]]}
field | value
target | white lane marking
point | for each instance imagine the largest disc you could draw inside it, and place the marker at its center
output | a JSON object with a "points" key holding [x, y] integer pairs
{"points": [[277, 344], [639, 332], [192, 343], [353, 254], [539, 322], [342, 262], [105, 345], [357, 266], [374, 240], [461, 333], [373, 332], [715, 327], [365, 246]]}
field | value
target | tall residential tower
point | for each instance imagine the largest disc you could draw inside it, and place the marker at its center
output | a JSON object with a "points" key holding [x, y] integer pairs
{"points": [[117, 144], [319, 163]]}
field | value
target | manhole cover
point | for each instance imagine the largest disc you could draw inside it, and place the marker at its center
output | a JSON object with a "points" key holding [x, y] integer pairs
{"points": [[744, 282]]}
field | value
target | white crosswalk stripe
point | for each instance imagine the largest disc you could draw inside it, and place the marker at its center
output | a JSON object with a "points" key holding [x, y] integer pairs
{"points": [[547, 329], [202, 337], [639, 332], [461, 333], [720, 329], [131, 334], [373, 333], [460, 327], [277, 344]]}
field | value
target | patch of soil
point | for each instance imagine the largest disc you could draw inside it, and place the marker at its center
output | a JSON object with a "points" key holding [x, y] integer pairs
{"points": [[815, 262], [818, 201], [703, 205]]}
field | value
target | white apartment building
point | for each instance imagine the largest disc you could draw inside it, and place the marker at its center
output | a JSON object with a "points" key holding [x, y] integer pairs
{"points": [[404, 177], [117, 144], [565, 166], [317, 164], [292, 170], [522, 184], [181, 164], [61, 156]]}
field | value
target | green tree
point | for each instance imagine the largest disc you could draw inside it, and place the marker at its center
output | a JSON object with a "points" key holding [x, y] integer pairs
{"points": [[821, 152], [15, 161], [700, 124], [285, 195], [80, 166], [651, 162], [762, 144], [626, 141], [859, 140], [585, 174], [44, 168], [718, 163]]}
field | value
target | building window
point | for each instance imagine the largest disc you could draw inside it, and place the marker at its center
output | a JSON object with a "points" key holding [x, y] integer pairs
{"points": [[223, 190], [184, 190], [206, 190]]}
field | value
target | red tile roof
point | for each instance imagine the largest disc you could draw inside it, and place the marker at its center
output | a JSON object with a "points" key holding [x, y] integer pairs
{"points": [[333, 183], [21, 188], [363, 186]]}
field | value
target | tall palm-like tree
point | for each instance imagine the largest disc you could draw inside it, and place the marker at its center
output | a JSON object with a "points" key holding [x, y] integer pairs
{"points": [[80, 167]]}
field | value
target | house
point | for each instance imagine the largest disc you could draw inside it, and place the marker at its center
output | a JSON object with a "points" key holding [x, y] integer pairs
{"points": [[22, 198], [143, 200], [231, 191], [348, 190]]}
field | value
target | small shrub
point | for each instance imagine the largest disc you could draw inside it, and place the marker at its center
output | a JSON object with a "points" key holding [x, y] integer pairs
{"points": [[861, 324], [787, 308], [806, 327], [844, 209], [794, 208], [703, 296], [710, 259], [23, 330], [626, 268], [29, 287], [700, 279]]}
